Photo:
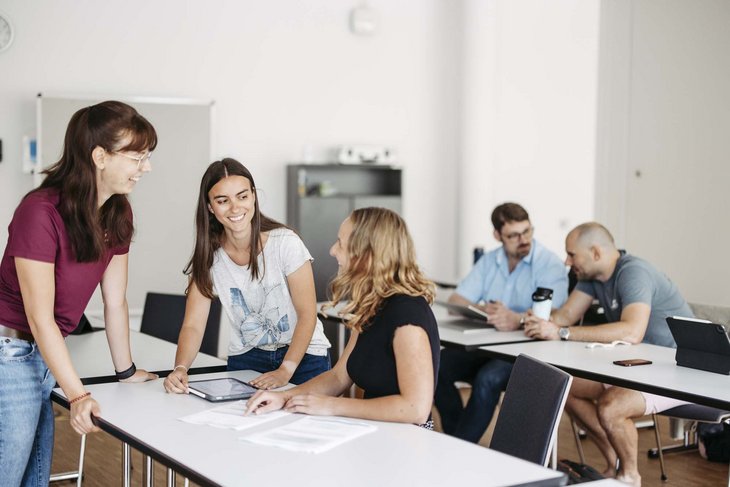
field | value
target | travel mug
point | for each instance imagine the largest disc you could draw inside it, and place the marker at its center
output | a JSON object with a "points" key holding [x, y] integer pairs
{"points": [[542, 302]]}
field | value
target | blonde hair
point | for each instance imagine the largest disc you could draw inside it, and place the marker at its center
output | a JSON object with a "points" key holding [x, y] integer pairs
{"points": [[382, 263]]}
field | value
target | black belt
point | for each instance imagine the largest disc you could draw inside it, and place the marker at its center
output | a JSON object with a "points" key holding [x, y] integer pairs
{"points": [[8, 332]]}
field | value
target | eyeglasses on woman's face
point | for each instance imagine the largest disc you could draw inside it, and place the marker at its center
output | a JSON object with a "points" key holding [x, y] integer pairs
{"points": [[140, 160]]}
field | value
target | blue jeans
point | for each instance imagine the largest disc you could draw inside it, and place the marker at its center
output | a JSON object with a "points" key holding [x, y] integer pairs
{"points": [[26, 415], [263, 361], [488, 378]]}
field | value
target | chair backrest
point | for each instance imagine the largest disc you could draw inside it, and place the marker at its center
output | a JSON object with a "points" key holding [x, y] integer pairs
{"points": [[84, 326], [531, 409], [163, 316], [716, 314]]}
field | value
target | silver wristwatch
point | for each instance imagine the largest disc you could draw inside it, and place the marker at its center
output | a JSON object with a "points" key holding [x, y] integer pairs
{"points": [[564, 333]]}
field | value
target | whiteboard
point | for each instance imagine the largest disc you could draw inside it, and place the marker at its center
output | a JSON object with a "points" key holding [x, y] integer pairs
{"points": [[163, 201]]}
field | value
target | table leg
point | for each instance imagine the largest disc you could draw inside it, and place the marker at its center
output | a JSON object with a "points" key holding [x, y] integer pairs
{"points": [[170, 477], [126, 465], [148, 474]]}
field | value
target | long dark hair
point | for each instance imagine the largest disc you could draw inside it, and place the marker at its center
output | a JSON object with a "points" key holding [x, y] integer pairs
{"points": [[209, 232], [91, 230]]}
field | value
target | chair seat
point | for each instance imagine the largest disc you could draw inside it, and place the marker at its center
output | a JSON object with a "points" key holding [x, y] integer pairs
{"points": [[695, 412]]}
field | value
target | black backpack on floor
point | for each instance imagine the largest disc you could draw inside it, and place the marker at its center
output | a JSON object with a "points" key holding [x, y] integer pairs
{"points": [[716, 438]]}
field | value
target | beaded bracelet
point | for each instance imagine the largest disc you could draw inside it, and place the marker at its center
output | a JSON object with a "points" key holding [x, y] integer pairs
{"points": [[79, 398], [126, 374], [178, 366]]}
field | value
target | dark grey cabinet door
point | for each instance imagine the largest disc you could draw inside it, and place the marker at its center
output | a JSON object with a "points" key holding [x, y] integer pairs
{"points": [[390, 202], [321, 219]]}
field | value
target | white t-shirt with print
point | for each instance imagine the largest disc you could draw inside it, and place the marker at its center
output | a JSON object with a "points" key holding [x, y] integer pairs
{"points": [[261, 312]]}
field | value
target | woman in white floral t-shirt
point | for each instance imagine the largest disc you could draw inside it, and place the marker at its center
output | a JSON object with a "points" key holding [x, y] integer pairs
{"points": [[262, 273]]}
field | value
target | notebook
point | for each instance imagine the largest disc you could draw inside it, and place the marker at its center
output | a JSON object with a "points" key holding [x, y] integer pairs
{"points": [[701, 344]]}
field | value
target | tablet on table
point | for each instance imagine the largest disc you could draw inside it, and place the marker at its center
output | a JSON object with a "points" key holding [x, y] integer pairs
{"points": [[223, 389]]}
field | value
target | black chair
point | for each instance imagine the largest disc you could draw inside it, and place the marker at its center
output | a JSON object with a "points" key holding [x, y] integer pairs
{"points": [[691, 414], [163, 316], [688, 412], [527, 425], [83, 327]]}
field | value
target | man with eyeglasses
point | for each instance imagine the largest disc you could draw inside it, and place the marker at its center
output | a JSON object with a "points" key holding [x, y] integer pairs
{"points": [[501, 284]]}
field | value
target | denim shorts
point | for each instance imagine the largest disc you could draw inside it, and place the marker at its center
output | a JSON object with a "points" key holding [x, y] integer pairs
{"points": [[266, 361]]}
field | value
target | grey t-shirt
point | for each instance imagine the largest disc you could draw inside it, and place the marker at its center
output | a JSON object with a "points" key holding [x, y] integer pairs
{"points": [[636, 281], [261, 312]]}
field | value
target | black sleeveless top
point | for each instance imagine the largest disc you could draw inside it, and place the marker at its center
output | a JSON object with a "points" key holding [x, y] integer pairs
{"points": [[371, 364]]}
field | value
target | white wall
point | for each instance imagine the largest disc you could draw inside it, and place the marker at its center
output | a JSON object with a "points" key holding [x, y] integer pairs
{"points": [[529, 117], [510, 109], [663, 149], [284, 74]]}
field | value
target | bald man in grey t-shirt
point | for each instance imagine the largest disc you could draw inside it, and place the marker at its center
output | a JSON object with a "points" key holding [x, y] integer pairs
{"points": [[634, 280], [637, 299]]}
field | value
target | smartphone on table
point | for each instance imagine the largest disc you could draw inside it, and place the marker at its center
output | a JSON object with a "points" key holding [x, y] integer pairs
{"points": [[632, 362]]}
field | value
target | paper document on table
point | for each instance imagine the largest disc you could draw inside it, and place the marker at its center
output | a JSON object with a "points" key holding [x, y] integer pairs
{"points": [[230, 415], [312, 435]]}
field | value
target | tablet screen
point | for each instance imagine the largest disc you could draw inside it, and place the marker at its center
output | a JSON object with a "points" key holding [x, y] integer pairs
{"points": [[223, 388], [470, 311]]}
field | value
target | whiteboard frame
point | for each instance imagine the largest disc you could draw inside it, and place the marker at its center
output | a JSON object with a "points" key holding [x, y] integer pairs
{"points": [[40, 165]]}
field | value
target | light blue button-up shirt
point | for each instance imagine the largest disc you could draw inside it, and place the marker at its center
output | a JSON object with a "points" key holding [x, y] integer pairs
{"points": [[490, 279]]}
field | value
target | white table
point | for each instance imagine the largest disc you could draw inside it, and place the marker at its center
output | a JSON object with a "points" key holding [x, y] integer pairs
{"points": [[451, 333], [93, 362], [663, 376], [144, 416]]}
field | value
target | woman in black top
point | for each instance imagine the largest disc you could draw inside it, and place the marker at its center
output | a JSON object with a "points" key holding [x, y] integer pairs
{"points": [[393, 351]]}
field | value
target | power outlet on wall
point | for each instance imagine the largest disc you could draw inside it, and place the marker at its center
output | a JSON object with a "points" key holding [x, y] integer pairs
{"points": [[30, 154]]}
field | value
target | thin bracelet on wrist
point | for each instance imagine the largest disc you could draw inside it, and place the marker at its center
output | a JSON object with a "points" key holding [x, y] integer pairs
{"points": [[80, 398], [126, 374], [178, 366]]}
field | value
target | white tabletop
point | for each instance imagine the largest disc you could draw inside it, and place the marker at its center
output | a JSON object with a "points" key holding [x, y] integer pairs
{"points": [[663, 376], [144, 416], [93, 362], [452, 334]]}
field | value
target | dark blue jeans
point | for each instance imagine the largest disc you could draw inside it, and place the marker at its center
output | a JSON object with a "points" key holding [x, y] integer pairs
{"points": [[263, 361], [488, 378]]}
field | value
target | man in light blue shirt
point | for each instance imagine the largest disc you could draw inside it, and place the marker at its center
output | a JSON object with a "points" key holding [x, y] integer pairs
{"points": [[501, 283]]}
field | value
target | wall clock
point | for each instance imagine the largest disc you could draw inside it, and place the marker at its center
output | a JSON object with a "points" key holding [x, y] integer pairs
{"points": [[6, 32]]}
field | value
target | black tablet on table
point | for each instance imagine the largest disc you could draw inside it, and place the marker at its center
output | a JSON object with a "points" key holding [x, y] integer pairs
{"points": [[701, 344]]}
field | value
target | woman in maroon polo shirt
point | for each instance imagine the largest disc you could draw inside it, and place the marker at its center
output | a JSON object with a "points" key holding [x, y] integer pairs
{"points": [[66, 237]]}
